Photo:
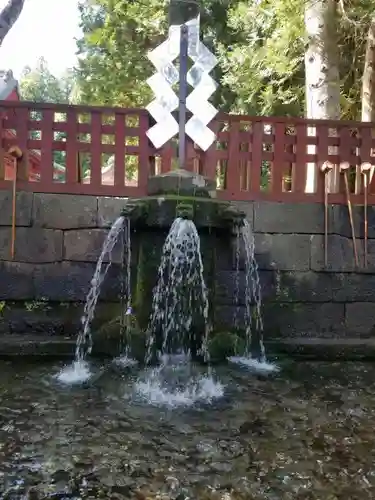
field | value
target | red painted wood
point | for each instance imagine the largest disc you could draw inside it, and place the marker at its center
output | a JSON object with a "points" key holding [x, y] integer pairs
{"points": [[96, 149], [243, 163], [144, 167], [321, 156], [299, 170], [46, 153], [119, 173], [233, 184], [72, 176], [209, 158], [278, 164], [256, 157]]}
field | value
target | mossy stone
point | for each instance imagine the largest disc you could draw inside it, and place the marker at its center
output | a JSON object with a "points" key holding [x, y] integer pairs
{"points": [[149, 256], [160, 212], [225, 344], [108, 339]]}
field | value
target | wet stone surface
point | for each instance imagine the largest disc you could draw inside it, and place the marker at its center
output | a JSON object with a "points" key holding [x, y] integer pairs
{"points": [[305, 433]]}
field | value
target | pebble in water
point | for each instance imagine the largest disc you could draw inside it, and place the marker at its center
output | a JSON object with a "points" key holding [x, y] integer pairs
{"points": [[285, 437]]}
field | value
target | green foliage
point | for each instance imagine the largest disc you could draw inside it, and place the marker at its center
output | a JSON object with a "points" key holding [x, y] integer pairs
{"points": [[264, 67], [270, 51], [38, 84], [113, 66], [260, 47], [354, 24], [117, 34]]}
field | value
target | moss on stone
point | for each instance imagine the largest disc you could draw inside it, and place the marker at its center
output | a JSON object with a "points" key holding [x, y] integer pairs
{"points": [[160, 211], [224, 344], [148, 263], [109, 338]]}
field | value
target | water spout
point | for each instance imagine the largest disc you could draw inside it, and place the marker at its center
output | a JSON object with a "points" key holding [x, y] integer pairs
{"points": [[79, 371], [84, 340], [179, 325], [125, 358], [253, 303], [180, 295]]}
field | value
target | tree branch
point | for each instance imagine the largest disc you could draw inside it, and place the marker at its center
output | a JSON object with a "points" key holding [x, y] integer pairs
{"points": [[8, 17]]}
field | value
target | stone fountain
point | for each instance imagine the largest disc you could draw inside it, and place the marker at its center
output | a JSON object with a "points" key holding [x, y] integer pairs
{"points": [[186, 195]]}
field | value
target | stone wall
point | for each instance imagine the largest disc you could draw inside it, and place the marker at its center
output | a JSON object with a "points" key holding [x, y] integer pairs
{"points": [[59, 237], [302, 297], [58, 241]]}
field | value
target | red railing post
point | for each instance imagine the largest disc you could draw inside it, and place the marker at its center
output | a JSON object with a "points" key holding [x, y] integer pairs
{"points": [[46, 148], [144, 153], [233, 184], [72, 176], [22, 131], [278, 164], [96, 150], [299, 171], [239, 153], [256, 157], [119, 168]]}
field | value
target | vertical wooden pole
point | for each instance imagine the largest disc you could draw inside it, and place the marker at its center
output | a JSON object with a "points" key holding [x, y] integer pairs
{"points": [[16, 154]]}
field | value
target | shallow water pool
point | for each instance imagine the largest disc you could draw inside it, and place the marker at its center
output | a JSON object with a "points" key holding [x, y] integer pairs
{"points": [[306, 432]]}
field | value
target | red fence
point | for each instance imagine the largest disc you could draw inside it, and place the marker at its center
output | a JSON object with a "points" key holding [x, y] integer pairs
{"points": [[253, 158]]}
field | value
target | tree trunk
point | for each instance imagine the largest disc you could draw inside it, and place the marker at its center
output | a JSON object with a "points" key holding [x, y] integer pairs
{"points": [[8, 16], [368, 79], [322, 77], [368, 89]]}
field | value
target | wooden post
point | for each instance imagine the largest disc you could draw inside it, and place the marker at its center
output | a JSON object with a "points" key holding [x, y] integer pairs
{"points": [[16, 154]]}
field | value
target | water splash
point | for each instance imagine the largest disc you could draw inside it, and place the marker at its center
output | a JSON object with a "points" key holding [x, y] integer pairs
{"points": [[255, 365], [180, 296], [253, 304], [175, 383], [76, 373], [80, 368]]}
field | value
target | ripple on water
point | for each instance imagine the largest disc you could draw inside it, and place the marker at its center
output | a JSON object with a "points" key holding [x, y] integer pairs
{"points": [[91, 438], [76, 373]]}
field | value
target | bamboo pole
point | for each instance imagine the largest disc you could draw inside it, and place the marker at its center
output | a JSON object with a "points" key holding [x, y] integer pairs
{"points": [[326, 168], [344, 167], [366, 171]]}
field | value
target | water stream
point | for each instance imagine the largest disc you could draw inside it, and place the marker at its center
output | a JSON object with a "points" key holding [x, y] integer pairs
{"points": [[125, 358], [237, 277], [253, 303], [179, 324], [79, 370], [180, 293]]}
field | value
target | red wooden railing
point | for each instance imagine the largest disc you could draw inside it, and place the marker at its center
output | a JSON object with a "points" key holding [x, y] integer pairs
{"points": [[254, 158]]}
